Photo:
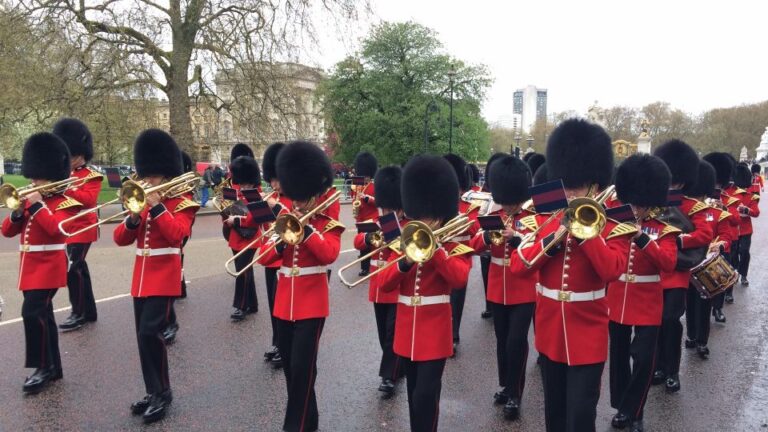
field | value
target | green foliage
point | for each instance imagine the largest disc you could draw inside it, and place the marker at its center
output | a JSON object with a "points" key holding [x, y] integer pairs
{"points": [[377, 100]]}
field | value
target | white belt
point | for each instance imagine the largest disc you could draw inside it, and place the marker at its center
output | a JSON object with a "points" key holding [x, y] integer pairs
{"points": [[158, 252], [504, 262], [418, 300], [460, 238], [378, 263], [633, 278], [42, 248], [570, 296], [301, 271]]}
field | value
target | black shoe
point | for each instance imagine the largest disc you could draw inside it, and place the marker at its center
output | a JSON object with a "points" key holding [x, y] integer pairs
{"points": [[387, 387], [512, 409], [702, 351], [269, 355], [673, 384], [277, 361], [500, 397], [620, 421], [158, 405], [363, 273], [36, 382], [719, 315], [238, 315], [637, 426], [744, 281], [729, 298], [690, 343], [169, 334], [138, 407], [251, 310], [455, 349], [486, 314], [658, 377], [74, 322]]}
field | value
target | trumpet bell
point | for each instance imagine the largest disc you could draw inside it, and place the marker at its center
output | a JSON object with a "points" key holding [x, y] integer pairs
{"points": [[585, 218], [290, 229], [418, 242], [9, 196], [133, 197]]}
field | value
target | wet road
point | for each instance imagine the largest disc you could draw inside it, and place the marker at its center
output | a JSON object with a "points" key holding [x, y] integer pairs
{"points": [[221, 383]]}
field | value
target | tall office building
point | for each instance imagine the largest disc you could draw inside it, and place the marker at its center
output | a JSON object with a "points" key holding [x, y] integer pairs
{"points": [[530, 104]]}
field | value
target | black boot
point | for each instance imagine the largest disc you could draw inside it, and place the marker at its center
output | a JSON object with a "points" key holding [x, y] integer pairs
{"points": [[512, 409], [501, 397], [719, 315], [268, 355], [73, 322], [673, 384], [690, 343], [486, 314], [36, 382], [158, 405], [702, 351], [169, 334], [620, 421], [729, 298], [138, 407], [658, 377], [238, 315], [387, 387], [277, 361], [637, 426]]}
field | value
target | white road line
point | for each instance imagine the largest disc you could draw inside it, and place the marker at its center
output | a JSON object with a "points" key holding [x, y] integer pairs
{"points": [[348, 250], [106, 299]]}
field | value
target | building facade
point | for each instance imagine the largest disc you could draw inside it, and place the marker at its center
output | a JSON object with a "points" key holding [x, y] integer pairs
{"points": [[530, 103]]}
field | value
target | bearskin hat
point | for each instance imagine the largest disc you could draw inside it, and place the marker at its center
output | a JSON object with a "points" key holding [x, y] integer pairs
{"points": [[240, 149], [705, 181], [429, 188], [722, 165], [742, 176], [387, 188], [535, 160], [46, 157], [245, 170], [460, 166], [580, 153], [682, 161], [186, 160], [366, 164], [491, 160], [643, 180], [474, 173], [512, 178], [756, 168], [269, 160], [303, 170], [77, 137], [541, 176], [155, 153]]}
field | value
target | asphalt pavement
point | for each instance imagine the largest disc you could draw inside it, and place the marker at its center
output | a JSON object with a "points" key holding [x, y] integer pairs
{"points": [[220, 381]]}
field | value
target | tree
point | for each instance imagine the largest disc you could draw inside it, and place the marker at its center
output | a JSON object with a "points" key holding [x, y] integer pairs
{"points": [[379, 99], [174, 45]]}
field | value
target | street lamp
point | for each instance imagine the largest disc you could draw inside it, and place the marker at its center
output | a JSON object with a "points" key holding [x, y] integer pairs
{"points": [[431, 107], [529, 140], [517, 144], [451, 75]]}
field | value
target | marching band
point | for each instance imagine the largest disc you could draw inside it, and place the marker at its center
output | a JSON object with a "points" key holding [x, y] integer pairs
{"points": [[602, 259]]}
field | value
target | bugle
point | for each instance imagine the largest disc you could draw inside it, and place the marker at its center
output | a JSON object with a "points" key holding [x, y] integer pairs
{"points": [[12, 197]]}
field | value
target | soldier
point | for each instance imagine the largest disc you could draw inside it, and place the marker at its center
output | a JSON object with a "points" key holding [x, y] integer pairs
{"points": [[635, 300], [158, 232], [80, 143], [571, 316], [301, 301], [430, 194], [512, 296], [43, 261], [485, 257], [757, 180], [748, 209], [364, 204], [534, 161]]}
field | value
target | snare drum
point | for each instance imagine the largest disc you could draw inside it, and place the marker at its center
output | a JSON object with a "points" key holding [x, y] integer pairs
{"points": [[713, 276]]}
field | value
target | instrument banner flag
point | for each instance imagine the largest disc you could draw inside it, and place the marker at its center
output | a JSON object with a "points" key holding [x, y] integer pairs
{"points": [[491, 223], [251, 195], [261, 212], [357, 180], [113, 177], [549, 197], [390, 227], [674, 198], [229, 194], [367, 227], [621, 214]]}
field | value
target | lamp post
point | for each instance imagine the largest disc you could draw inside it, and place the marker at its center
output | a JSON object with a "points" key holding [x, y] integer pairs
{"points": [[431, 107], [529, 140], [451, 75], [517, 144]]}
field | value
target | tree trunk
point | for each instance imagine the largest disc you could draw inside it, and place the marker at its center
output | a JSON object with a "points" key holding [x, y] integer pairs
{"points": [[178, 105]]}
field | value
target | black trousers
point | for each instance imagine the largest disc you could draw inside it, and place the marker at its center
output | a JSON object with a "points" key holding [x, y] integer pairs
{"points": [[671, 332], [40, 332], [365, 265], [697, 316], [79, 282], [458, 296], [511, 324], [424, 386], [245, 287], [390, 366], [172, 316], [270, 279], [570, 395], [152, 315], [630, 380], [485, 265], [298, 342], [735, 255], [745, 243]]}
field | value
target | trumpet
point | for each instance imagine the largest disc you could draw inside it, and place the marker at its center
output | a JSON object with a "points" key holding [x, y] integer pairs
{"points": [[417, 242], [584, 218], [133, 196], [289, 229], [497, 236], [12, 197]]}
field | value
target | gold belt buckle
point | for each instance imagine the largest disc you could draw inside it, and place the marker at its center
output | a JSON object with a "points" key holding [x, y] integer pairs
{"points": [[564, 296], [145, 252], [630, 278], [416, 300], [25, 248], [506, 262], [295, 271]]}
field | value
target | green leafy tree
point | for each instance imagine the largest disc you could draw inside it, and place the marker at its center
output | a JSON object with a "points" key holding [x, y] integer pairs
{"points": [[378, 100]]}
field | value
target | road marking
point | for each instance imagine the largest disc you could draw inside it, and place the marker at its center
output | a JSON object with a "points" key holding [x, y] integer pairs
{"points": [[106, 299], [348, 250]]}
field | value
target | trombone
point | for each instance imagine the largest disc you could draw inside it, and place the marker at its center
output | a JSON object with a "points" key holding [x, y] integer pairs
{"points": [[497, 236], [418, 242], [584, 218], [12, 197], [288, 227], [133, 196]]}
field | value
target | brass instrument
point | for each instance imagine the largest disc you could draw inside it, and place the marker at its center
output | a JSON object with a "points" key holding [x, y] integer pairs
{"points": [[219, 202], [12, 197], [289, 229], [417, 242], [497, 237], [584, 218], [133, 196], [358, 202]]}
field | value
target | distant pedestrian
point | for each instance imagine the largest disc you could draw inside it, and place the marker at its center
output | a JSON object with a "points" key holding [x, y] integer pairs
{"points": [[207, 183], [217, 176]]}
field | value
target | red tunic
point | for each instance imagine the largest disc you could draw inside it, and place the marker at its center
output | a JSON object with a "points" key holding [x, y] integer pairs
{"points": [[732, 204], [757, 184], [723, 228], [375, 293], [751, 201], [423, 331], [158, 238], [636, 299], [43, 257], [368, 209], [88, 195], [702, 235], [576, 332]]}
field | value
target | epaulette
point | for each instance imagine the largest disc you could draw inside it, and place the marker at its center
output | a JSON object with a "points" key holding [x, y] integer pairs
{"points": [[731, 201], [67, 203], [755, 197], [621, 229], [669, 229], [460, 249], [332, 224], [93, 175], [739, 191], [699, 206], [530, 222], [185, 204], [472, 207]]}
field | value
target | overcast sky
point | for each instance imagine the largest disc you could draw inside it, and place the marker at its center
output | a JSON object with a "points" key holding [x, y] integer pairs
{"points": [[695, 55]]}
